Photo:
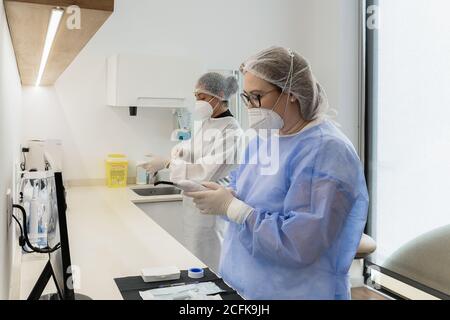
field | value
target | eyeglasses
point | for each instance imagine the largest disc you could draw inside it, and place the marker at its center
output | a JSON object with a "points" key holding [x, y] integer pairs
{"points": [[254, 100]]}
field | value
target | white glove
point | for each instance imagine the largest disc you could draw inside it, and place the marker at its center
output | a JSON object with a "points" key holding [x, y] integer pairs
{"points": [[181, 151], [155, 164], [220, 201]]}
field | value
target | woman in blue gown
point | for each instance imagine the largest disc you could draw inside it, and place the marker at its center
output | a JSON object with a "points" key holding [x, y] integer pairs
{"points": [[297, 219]]}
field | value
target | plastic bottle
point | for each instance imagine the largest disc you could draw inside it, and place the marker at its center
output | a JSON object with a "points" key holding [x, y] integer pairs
{"points": [[33, 228], [26, 199], [44, 214], [141, 173]]}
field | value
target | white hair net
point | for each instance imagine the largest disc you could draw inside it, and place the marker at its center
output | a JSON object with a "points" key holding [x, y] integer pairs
{"points": [[291, 72], [217, 85]]}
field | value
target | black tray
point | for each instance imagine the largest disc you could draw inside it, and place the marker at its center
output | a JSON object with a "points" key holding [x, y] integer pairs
{"points": [[130, 286]]}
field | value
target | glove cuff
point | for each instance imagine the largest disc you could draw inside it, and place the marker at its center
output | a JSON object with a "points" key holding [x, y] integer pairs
{"points": [[238, 211]]}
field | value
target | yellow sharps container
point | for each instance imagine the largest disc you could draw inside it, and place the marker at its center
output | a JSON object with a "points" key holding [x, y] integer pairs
{"points": [[116, 171]]}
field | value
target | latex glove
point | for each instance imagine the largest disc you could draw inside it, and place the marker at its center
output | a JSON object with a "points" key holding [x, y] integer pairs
{"points": [[181, 151], [155, 164], [220, 201]]}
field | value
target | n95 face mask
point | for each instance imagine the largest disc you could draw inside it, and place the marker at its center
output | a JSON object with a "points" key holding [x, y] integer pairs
{"points": [[203, 110], [261, 118]]}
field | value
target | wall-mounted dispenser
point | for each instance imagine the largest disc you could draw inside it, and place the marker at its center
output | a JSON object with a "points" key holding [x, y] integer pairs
{"points": [[182, 125], [148, 81]]}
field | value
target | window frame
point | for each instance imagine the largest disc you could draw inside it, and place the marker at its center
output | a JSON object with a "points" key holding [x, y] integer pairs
{"points": [[367, 136]]}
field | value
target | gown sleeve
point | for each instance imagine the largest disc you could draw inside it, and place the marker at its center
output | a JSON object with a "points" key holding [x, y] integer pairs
{"points": [[319, 199]]}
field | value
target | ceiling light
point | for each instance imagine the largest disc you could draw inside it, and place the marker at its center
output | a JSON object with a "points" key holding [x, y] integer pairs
{"points": [[53, 25]]}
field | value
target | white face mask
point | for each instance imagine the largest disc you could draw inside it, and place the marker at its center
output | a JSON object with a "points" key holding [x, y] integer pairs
{"points": [[261, 118], [203, 110]]}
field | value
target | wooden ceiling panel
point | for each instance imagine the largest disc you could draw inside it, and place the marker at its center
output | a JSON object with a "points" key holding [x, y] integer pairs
{"points": [[66, 41], [28, 23], [105, 5]]}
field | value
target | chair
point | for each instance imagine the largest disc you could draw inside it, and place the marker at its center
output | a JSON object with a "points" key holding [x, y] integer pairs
{"points": [[366, 247]]}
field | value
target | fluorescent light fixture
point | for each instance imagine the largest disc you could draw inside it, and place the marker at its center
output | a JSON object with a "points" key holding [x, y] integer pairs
{"points": [[53, 25]]}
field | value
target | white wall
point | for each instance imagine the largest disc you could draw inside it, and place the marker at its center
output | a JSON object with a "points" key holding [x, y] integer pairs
{"points": [[222, 34], [10, 105], [328, 37]]}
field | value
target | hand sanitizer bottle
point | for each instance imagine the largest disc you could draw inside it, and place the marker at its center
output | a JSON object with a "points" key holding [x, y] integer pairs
{"points": [[141, 174]]}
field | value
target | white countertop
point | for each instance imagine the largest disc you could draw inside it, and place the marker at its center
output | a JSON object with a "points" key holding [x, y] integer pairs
{"points": [[110, 237]]}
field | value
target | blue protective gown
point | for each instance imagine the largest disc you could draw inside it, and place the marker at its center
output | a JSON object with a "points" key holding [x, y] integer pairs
{"points": [[309, 217]]}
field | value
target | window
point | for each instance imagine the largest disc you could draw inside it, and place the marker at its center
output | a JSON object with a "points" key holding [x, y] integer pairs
{"points": [[407, 149]]}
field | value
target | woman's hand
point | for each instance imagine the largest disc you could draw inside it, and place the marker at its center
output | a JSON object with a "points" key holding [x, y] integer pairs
{"points": [[155, 164], [214, 201], [181, 151], [220, 201]]}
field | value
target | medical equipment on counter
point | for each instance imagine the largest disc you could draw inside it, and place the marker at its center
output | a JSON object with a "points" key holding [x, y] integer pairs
{"points": [[197, 291], [132, 287], [37, 197], [141, 174], [58, 266], [42, 155], [116, 170], [160, 274], [36, 224], [196, 273]]}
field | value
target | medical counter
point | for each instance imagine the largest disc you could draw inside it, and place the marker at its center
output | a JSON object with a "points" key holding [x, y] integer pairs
{"points": [[110, 237]]}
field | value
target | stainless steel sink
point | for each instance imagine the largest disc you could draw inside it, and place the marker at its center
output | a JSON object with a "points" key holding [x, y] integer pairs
{"points": [[161, 191]]}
